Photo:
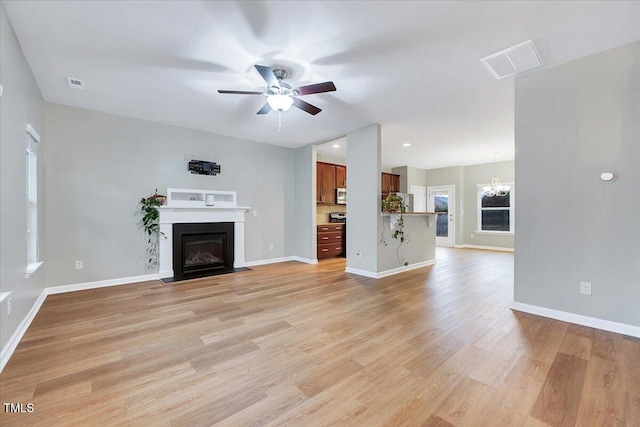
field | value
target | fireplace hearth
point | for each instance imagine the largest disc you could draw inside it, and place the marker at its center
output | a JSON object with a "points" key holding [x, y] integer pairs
{"points": [[202, 249]]}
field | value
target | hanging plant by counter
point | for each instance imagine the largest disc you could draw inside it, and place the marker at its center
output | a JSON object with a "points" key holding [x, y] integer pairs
{"points": [[150, 224], [394, 205]]}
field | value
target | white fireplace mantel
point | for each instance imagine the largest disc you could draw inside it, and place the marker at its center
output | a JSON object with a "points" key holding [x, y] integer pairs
{"points": [[170, 215]]}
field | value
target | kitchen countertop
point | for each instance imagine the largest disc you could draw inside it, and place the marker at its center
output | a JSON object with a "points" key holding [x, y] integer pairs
{"points": [[413, 213]]}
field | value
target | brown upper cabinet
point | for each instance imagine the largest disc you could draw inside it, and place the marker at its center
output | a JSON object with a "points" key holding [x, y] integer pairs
{"points": [[329, 177], [341, 176], [390, 183]]}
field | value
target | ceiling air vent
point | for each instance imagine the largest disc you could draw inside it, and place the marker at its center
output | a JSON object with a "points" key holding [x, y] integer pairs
{"points": [[516, 59], [75, 83]]}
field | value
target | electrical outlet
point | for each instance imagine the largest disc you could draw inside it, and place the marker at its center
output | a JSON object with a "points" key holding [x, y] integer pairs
{"points": [[271, 246], [255, 212], [473, 236], [9, 305], [79, 265], [358, 253], [585, 288]]}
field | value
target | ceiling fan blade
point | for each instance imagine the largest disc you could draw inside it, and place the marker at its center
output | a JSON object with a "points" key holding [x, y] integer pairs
{"points": [[239, 92], [265, 109], [305, 106], [316, 88], [268, 76]]}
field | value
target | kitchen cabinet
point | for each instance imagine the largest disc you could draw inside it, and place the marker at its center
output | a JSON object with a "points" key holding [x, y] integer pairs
{"points": [[341, 176], [331, 240], [328, 177], [390, 183]]}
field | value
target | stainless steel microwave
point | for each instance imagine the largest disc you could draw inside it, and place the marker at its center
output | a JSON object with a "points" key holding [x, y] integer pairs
{"points": [[341, 196]]}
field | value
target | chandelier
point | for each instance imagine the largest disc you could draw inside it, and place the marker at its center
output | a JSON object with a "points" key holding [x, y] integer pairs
{"points": [[496, 188]]}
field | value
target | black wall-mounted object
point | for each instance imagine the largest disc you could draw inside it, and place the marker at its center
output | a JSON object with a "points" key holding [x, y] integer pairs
{"points": [[202, 167]]}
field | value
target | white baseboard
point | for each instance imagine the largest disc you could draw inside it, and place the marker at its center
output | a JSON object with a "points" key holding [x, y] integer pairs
{"points": [[165, 274], [281, 259], [578, 319], [404, 268], [13, 342], [100, 284], [268, 261], [488, 248], [305, 260], [365, 273], [386, 273]]}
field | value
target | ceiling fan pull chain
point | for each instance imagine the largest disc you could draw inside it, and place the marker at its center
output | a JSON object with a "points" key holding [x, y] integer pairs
{"points": [[279, 120]]}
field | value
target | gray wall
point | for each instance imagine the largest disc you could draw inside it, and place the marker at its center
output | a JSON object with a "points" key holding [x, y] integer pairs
{"points": [[573, 121], [421, 246], [409, 176], [305, 236], [21, 103], [466, 180], [100, 165], [363, 209]]}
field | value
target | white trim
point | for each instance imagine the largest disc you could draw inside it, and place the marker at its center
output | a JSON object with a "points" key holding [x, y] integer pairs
{"points": [[31, 268], [391, 272], [12, 344], [404, 268], [268, 261], [496, 233], [172, 215], [488, 248], [304, 260], [4, 295], [511, 209], [365, 273], [280, 259], [592, 322], [100, 284], [452, 212], [32, 132]]}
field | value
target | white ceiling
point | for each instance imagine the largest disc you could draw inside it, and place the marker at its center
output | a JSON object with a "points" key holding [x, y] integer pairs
{"points": [[411, 66]]}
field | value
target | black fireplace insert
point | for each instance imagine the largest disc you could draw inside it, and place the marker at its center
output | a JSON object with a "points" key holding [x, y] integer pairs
{"points": [[202, 249]]}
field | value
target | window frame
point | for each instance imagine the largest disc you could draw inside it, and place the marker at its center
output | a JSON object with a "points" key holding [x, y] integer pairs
{"points": [[511, 208], [31, 197]]}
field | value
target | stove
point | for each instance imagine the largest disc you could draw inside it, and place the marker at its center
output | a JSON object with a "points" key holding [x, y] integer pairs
{"points": [[340, 217]]}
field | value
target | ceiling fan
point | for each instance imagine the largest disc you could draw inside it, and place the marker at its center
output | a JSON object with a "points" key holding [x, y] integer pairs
{"points": [[280, 95]]}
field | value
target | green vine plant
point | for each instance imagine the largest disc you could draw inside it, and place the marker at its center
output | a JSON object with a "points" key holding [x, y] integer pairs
{"points": [[395, 205], [150, 224]]}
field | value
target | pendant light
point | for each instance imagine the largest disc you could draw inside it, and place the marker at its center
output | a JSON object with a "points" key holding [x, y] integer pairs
{"points": [[496, 188]]}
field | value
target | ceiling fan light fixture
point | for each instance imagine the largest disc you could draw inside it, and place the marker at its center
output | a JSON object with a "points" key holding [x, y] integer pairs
{"points": [[280, 102]]}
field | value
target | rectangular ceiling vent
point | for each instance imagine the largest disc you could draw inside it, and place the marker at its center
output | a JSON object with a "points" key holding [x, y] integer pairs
{"points": [[516, 59], [75, 83]]}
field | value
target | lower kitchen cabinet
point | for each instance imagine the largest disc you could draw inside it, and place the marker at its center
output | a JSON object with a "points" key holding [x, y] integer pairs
{"points": [[331, 240]]}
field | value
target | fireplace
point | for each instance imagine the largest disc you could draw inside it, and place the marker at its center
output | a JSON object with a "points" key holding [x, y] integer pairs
{"points": [[202, 249]]}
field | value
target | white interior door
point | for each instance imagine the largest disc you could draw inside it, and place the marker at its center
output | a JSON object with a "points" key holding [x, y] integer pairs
{"points": [[442, 199], [419, 198]]}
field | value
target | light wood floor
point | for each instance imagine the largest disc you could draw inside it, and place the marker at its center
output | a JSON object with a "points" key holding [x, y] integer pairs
{"points": [[300, 345]]}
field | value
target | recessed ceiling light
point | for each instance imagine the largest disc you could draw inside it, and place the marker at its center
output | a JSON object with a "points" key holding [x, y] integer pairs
{"points": [[336, 145], [406, 144]]}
